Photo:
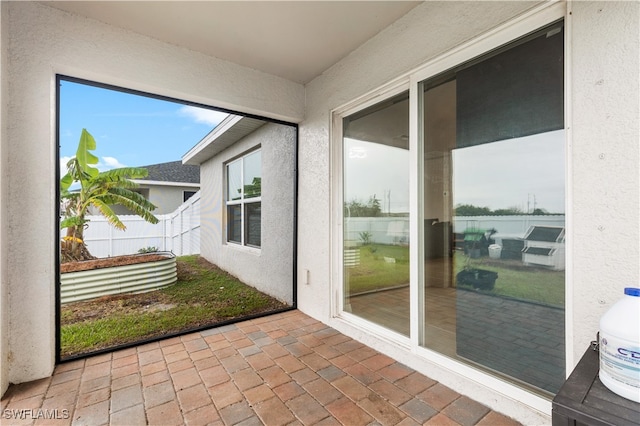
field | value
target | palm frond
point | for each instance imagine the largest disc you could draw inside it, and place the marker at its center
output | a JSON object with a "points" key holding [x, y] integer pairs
{"points": [[108, 213]]}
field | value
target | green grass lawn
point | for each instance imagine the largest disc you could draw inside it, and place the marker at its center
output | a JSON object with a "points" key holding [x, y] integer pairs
{"points": [[515, 280], [204, 295], [376, 273]]}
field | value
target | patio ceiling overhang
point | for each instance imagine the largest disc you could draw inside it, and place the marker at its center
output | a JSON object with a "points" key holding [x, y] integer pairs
{"points": [[229, 131], [295, 40]]}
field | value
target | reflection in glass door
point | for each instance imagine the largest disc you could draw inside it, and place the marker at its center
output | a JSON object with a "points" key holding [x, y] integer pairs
{"points": [[494, 204], [376, 213]]}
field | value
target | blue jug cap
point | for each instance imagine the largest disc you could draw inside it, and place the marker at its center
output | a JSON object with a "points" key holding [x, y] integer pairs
{"points": [[632, 291]]}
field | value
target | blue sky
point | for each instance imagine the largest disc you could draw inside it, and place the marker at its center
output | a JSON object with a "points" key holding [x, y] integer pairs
{"points": [[129, 130]]}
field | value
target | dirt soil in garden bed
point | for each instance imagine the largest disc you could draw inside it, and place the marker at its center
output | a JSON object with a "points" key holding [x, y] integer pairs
{"points": [[107, 262]]}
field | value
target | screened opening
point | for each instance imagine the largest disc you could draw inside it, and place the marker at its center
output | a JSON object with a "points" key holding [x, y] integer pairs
{"points": [[169, 194]]}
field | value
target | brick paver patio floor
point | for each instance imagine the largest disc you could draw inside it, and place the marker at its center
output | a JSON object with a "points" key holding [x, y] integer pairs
{"points": [[284, 369]]}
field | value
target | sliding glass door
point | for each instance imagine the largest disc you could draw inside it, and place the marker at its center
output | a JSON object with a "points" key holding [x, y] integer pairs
{"points": [[376, 213], [494, 204], [483, 222]]}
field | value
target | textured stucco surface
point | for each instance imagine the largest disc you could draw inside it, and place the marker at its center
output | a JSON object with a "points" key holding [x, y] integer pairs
{"points": [[4, 288], [603, 166], [605, 160], [41, 42], [166, 198], [269, 269]]}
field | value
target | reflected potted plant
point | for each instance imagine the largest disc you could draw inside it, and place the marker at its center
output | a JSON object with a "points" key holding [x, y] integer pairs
{"points": [[476, 243]]}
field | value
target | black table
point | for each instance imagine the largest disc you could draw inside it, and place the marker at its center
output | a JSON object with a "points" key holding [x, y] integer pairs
{"points": [[584, 400]]}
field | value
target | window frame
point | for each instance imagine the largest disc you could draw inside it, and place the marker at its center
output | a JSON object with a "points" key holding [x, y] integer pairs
{"points": [[520, 26], [242, 201]]}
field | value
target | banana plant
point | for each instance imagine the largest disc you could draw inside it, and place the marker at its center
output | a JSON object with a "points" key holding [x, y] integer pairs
{"points": [[84, 186]]}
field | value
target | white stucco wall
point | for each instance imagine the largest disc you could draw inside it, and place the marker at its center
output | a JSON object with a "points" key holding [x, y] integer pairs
{"points": [[41, 42], [269, 269], [603, 162], [4, 293], [166, 198]]}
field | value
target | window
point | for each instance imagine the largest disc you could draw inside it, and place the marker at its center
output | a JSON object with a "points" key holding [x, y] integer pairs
{"points": [[244, 180], [187, 194]]}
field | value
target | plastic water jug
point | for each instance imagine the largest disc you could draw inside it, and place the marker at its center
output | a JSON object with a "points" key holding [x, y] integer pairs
{"points": [[620, 346]]}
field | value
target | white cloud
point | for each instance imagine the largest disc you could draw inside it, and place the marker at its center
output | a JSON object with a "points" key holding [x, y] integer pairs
{"points": [[108, 163], [201, 115], [63, 165]]}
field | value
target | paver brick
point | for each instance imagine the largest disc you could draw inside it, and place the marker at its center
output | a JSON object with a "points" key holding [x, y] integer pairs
{"points": [[362, 374], [438, 396], [206, 415], [348, 413], [131, 416], [126, 397], [351, 388], [152, 368], [390, 392], [381, 410], [150, 356], [289, 363], [94, 397], [322, 391], [180, 365], [96, 370], [274, 376], [225, 394], [465, 411], [158, 394], [235, 413], [442, 420], [126, 381], [95, 414], [414, 383], [307, 409], [273, 412], [260, 361], [166, 414], [125, 360], [193, 397], [258, 394], [185, 378], [214, 376], [418, 410], [288, 391], [246, 379]]}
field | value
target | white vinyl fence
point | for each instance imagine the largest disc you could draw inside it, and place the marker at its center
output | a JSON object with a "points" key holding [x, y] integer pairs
{"points": [[395, 230], [177, 232]]}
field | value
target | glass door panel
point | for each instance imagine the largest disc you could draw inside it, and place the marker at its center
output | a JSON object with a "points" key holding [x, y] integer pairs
{"points": [[376, 213], [494, 204]]}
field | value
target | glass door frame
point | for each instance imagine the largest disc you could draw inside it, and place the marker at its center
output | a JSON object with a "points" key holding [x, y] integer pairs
{"points": [[337, 201], [527, 23]]}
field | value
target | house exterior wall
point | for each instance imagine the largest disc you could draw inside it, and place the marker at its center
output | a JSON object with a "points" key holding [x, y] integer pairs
{"points": [[166, 198], [269, 269], [42, 41], [603, 166], [4, 191]]}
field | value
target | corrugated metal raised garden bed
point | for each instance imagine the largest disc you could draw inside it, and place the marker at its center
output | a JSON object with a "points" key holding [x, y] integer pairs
{"points": [[116, 275]]}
